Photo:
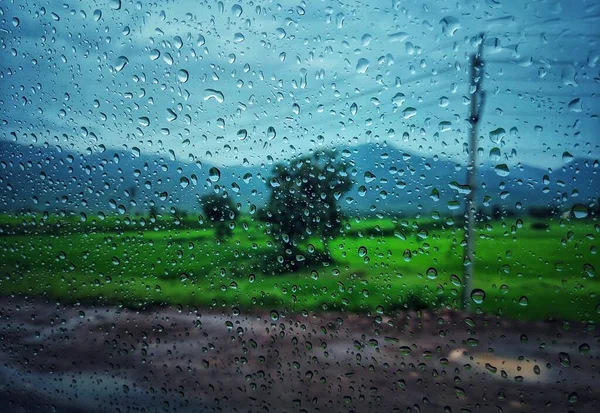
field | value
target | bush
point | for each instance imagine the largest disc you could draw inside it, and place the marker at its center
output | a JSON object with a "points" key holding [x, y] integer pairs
{"points": [[543, 211], [541, 226], [418, 300]]}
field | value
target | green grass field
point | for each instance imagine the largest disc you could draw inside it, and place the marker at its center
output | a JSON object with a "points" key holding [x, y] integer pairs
{"points": [[380, 265]]}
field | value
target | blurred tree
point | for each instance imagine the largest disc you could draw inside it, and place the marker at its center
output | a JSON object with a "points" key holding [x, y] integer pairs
{"points": [[481, 214], [130, 193], [543, 212], [153, 211], [303, 200], [220, 211], [496, 212], [594, 208]]}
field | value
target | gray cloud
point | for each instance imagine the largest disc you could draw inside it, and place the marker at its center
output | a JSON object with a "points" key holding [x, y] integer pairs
{"points": [[539, 63]]}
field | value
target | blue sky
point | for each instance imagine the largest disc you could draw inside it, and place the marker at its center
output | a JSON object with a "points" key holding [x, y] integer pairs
{"points": [[299, 74]]}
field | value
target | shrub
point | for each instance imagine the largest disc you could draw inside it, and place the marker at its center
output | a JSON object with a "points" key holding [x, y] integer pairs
{"points": [[542, 226]]}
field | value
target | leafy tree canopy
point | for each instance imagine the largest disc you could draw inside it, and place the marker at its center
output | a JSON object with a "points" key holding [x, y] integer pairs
{"points": [[304, 199], [220, 211]]}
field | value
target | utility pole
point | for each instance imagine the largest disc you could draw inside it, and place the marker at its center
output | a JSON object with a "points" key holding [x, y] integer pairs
{"points": [[477, 102]]}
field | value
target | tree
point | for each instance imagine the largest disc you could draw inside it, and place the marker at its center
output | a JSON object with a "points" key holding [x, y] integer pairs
{"points": [[303, 200], [496, 212], [543, 212], [220, 211], [152, 212]]}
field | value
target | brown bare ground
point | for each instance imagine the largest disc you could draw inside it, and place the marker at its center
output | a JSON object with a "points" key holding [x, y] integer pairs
{"points": [[66, 358]]}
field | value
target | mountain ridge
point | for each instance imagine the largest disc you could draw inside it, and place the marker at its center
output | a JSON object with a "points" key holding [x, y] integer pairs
{"points": [[49, 178]]}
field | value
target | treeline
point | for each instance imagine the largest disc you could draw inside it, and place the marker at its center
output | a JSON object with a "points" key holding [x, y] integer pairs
{"points": [[77, 223], [541, 212], [384, 224]]}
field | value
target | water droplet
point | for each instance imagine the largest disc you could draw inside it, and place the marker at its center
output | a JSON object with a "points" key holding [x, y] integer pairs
{"points": [[121, 63], [405, 350], [362, 65], [579, 211], [569, 76], [274, 315], [97, 15], [339, 20], [201, 41], [398, 37], [523, 301], [214, 94], [453, 205], [435, 195], [449, 25], [366, 39], [478, 296], [589, 270], [399, 99], [564, 359], [409, 113], [502, 169], [431, 273], [455, 280], [575, 105], [183, 75], [362, 251], [280, 33], [144, 121], [497, 135], [567, 157], [171, 115], [154, 54], [237, 10], [168, 59], [354, 109], [584, 348], [445, 126], [238, 38], [494, 154], [573, 397], [16, 22], [115, 4], [242, 134], [271, 133], [369, 176], [214, 174]]}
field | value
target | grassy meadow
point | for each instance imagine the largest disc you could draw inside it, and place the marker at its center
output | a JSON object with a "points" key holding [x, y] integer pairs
{"points": [[378, 266]]}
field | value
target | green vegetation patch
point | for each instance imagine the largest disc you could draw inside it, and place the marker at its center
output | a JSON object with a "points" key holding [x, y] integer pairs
{"points": [[527, 271]]}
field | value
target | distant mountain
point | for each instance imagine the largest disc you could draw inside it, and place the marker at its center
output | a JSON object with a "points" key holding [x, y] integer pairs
{"points": [[410, 181], [386, 179]]}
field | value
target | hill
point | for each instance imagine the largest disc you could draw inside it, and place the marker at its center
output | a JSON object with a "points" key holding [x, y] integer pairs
{"points": [[386, 179]]}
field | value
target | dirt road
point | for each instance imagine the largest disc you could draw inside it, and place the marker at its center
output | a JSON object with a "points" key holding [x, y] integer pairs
{"points": [[105, 359]]}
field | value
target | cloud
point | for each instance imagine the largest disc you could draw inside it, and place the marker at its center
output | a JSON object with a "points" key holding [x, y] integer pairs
{"points": [[296, 71]]}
